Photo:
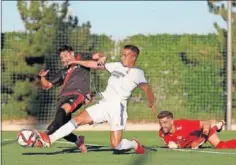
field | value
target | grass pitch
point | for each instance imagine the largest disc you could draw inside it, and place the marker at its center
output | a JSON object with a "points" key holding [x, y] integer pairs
{"points": [[99, 152]]}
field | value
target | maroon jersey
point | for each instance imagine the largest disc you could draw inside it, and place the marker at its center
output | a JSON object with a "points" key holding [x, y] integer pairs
{"points": [[73, 79]]}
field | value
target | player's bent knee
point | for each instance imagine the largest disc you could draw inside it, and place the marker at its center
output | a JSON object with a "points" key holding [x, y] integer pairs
{"points": [[78, 119], [66, 107]]}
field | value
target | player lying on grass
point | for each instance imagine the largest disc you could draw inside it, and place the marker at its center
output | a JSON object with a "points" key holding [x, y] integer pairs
{"points": [[73, 80], [193, 134], [124, 78]]}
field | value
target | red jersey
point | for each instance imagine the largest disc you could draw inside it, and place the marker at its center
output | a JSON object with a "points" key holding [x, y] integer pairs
{"points": [[185, 130]]}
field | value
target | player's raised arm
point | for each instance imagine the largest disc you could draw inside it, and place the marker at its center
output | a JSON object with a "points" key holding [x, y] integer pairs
{"points": [[100, 58], [94, 61], [149, 94], [54, 80], [44, 82], [89, 64]]}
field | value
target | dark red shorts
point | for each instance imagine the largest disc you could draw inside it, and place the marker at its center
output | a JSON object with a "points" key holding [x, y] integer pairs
{"points": [[76, 100]]}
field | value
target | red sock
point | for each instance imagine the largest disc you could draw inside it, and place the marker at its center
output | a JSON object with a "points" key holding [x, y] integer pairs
{"points": [[212, 131], [227, 144]]}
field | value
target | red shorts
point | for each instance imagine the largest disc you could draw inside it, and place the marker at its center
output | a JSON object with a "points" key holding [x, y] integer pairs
{"points": [[195, 137], [187, 143]]}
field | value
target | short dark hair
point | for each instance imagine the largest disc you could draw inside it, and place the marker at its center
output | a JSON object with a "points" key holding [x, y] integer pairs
{"points": [[164, 114], [133, 48], [65, 48]]}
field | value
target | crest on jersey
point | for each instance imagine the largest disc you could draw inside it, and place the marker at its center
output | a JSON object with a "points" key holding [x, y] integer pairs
{"points": [[179, 137]]}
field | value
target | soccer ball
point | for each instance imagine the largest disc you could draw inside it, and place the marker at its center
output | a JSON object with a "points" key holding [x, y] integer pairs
{"points": [[26, 138]]}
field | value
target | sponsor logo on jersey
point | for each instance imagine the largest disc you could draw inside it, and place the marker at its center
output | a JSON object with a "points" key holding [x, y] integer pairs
{"points": [[71, 100], [117, 74], [178, 128]]}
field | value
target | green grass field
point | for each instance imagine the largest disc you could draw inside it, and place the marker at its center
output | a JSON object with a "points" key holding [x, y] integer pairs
{"points": [[100, 153]]}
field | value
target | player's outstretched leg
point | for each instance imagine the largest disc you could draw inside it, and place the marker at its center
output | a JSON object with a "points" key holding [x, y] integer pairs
{"points": [[78, 140], [81, 119], [57, 122], [120, 144], [63, 115], [215, 141], [231, 144]]}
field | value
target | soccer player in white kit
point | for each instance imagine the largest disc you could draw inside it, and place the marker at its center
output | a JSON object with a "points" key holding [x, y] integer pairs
{"points": [[124, 78]]}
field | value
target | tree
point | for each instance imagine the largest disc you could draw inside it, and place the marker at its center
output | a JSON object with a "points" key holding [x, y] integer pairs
{"points": [[42, 20], [218, 8], [48, 25]]}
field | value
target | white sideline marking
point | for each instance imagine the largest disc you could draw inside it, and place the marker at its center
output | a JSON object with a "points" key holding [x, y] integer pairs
{"points": [[180, 150]]}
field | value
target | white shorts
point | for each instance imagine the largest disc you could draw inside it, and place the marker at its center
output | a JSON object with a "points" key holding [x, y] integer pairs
{"points": [[114, 112]]}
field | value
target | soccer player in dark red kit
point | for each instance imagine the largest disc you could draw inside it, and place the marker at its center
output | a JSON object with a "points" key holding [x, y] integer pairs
{"points": [[74, 82], [184, 133]]}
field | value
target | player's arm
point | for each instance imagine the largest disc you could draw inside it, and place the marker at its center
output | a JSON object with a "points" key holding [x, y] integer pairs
{"points": [[44, 82], [54, 80], [93, 61], [173, 145], [88, 64], [168, 142], [149, 94], [100, 58]]}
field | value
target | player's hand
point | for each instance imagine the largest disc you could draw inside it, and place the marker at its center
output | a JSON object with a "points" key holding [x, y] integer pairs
{"points": [[43, 73], [153, 109], [101, 61], [98, 55], [172, 145]]}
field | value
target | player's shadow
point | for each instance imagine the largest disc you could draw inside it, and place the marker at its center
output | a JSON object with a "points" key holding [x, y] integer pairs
{"points": [[76, 150], [206, 147]]}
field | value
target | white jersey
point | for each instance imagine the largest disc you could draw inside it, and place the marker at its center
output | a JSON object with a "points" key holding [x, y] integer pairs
{"points": [[122, 81]]}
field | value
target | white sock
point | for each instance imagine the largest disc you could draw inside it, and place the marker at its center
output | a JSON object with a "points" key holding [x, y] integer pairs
{"points": [[63, 131], [126, 144]]}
